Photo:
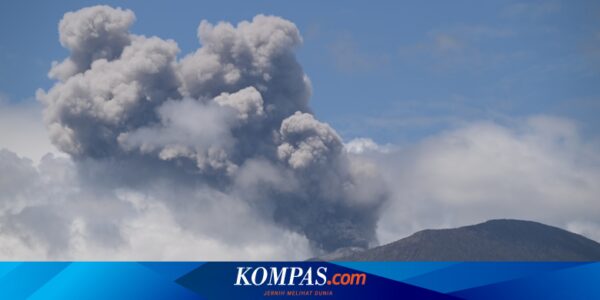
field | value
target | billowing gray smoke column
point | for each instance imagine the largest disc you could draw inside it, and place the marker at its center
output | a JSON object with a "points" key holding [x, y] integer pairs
{"points": [[232, 116]]}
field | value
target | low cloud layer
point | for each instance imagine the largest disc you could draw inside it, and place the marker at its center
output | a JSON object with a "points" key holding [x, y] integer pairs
{"points": [[22, 129], [538, 168], [49, 211], [216, 154]]}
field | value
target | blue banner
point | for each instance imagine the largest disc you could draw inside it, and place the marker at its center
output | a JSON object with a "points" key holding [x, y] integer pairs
{"points": [[277, 280]]}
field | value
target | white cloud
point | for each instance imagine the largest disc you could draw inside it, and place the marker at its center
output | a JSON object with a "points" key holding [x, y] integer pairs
{"points": [[49, 212], [364, 145], [22, 129], [538, 169]]}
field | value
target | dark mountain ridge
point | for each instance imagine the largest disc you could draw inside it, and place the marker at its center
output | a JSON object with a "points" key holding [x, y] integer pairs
{"points": [[494, 240]]}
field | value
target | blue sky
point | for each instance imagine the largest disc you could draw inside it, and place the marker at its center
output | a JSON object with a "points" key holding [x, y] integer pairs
{"points": [[395, 72]]}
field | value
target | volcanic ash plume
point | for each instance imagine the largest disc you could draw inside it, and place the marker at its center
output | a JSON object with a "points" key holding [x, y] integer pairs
{"points": [[232, 118]]}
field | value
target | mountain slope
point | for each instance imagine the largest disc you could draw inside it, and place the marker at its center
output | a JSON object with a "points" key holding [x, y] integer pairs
{"points": [[495, 240]]}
